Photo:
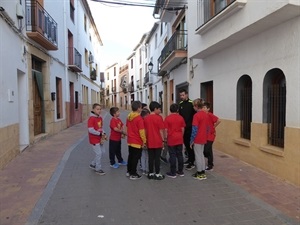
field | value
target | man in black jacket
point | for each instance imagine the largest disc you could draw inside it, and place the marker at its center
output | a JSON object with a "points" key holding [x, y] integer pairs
{"points": [[186, 110]]}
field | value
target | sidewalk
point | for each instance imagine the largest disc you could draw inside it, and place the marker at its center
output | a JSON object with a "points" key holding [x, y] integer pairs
{"points": [[23, 181]]}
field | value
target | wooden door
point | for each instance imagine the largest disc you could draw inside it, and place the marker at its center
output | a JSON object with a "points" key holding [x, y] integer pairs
{"points": [[37, 105], [72, 105]]}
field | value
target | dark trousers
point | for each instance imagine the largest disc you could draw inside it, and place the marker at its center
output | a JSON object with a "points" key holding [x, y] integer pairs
{"points": [[208, 153], [186, 140], [115, 151], [175, 153], [154, 159], [133, 158]]}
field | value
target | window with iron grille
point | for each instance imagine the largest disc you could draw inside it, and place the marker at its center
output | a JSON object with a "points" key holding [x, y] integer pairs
{"points": [[274, 99], [244, 105]]}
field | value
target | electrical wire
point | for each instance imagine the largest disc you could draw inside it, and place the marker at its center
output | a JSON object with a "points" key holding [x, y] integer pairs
{"points": [[171, 6]]}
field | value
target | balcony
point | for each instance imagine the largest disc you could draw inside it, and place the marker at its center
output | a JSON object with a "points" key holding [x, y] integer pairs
{"points": [[113, 89], [40, 26], [165, 10], [74, 60], [148, 79], [93, 75], [131, 87], [236, 29], [174, 52], [138, 84], [125, 89]]}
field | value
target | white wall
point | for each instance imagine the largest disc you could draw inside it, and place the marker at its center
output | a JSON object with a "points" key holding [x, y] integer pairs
{"points": [[275, 48], [12, 61]]}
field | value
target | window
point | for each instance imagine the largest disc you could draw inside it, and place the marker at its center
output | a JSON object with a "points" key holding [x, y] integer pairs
{"points": [[107, 75], [140, 53], [161, 28], [59, 110], [274, 111], [155, 41], [85, 23], [86, 57], [115, 71], [131, 62], [76, 99], [244, 105], [72, 10]]}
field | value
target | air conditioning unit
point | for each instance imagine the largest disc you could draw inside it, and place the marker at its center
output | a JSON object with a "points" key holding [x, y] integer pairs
{"points": [[19, 11], [91, 58]]}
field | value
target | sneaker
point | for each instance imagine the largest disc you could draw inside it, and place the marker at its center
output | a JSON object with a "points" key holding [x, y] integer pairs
{"points": [[171, 175], [202, 176], [209, 168], [123, 163], [127, 174], [145, 173], [186, 163], [135, 177], [150, 176], [159, 176], [115, 166], [181, 174], [163, 159], [199, 176], [190, 166], [93, 167], [100, 172]]}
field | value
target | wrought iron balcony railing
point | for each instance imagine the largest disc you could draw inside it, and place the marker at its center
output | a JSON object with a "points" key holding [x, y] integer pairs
{"points": [[74, 59], [178, 41], [39, 21]]}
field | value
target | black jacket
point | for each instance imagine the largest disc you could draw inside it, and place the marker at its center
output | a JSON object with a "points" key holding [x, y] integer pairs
{"points": [[186, 110]]}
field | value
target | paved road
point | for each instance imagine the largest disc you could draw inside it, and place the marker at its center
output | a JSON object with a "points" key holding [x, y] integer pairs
{"points": [[75, 195]]}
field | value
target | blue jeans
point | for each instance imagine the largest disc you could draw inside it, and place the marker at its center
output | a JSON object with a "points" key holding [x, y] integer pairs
{"points": [[175, 153]]}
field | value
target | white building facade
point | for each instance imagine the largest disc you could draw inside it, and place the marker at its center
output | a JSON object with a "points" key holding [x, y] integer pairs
{"points": [[49, 70], [243, 57]]}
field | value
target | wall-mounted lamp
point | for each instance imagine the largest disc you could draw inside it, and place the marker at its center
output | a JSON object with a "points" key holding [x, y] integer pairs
{"points": [[150, 68], [53, 96]]}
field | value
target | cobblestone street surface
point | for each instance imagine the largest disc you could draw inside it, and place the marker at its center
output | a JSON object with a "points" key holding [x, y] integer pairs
{"points": [[51, 183]]}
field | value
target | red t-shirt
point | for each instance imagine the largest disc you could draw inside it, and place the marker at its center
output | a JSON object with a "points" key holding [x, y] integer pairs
{"points": [[174, 124], [153, 124], [96, 123], [212, 119], [200, 121], [115, 122]]}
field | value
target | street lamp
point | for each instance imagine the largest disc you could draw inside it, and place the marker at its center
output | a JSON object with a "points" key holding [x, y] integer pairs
{"points": [[150, 67]]}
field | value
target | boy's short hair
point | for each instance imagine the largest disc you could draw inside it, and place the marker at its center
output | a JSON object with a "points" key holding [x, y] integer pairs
{"points": [[144, 105], [199, 103], [207, 104], [113, 110], [95, 105], [154, 105], [174, 108], [135, 105], [145, 112]]}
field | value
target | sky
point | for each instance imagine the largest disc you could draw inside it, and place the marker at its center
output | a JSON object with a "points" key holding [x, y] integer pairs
{"points": [[120, 28]]}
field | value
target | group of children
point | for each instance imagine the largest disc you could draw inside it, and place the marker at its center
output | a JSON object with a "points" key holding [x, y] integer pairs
{"points": [[147, 134]]}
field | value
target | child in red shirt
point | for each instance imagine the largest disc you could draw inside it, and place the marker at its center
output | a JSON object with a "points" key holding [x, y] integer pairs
{"points": [[116, 133], [154, 127], [199, 138], [213, 122], [136, 138], [96, 134], [174, 127]]}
